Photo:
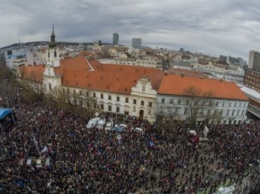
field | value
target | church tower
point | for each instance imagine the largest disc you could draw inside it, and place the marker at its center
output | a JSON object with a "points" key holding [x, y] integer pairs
{"points": [[52, 43]]}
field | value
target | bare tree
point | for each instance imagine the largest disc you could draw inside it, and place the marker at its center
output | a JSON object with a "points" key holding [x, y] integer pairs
{"points": [[31, 85], [167, 114], [200, 105], [75, 102]]}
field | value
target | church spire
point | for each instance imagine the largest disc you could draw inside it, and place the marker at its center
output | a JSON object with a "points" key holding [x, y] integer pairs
{"points": [[52, 42], [53, 30]]}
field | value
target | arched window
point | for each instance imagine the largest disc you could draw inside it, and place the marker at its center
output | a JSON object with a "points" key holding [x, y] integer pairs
{"points": [[55, 53]]}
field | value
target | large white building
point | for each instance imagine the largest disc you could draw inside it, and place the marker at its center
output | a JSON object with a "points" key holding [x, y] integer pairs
{"points": [[144, 62], [139, 91]]}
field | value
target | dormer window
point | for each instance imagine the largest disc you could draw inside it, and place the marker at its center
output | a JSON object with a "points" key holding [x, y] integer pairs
{"points": [[143, 88]]}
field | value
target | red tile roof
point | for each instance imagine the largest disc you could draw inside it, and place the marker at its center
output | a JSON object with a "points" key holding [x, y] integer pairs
{"points": [[34, 73], [177, 84], [112, 78], [121, 78], [76, 63]]}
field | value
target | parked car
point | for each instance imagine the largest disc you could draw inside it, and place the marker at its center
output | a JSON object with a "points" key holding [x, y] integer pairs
{"points": [[39, 163], [109, 125], [93, 122], [119, 127], [101, 123], [138, 129]]}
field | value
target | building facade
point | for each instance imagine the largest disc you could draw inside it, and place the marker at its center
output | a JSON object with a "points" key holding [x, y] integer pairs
{"points": [[115, 39], [254, 60], [139, 91], [252, 79], [137, 43]]}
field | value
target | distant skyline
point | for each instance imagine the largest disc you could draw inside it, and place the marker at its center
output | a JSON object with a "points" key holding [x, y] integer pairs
{"points": [[223, 27]]}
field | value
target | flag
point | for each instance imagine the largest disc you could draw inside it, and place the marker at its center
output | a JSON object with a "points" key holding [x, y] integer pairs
{"points": [[206, 131], [45, 149]]}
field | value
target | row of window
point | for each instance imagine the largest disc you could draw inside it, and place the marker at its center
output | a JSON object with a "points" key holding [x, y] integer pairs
{"points": [[102, 107], [204, 102], [55, 54], [109, 97], [228, 112]]}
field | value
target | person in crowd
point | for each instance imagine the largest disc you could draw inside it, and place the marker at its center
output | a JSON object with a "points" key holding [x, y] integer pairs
{"points": [[50, 151]]}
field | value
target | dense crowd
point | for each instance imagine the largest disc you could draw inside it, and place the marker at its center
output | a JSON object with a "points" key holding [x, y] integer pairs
{"points": [[98, 161]]}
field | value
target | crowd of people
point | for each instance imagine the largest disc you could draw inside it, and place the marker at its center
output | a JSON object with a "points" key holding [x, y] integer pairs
{"points": [[97, 161]]}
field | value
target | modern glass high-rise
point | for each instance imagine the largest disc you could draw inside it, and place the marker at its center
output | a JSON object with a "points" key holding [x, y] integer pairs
{"points": [[254, 60], [115, 39], [137, 43]]}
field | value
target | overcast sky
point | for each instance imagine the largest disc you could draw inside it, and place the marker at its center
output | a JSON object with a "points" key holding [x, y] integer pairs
{"points": [[228, 27]]}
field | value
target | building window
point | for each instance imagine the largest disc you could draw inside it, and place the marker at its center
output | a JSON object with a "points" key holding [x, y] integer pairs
{"points": [[243, 113], [227, 112], [134, 101], [216, 103], [223, 104], [185, 111], [87, 94], [233, 112], [171, 101], [143, 88], [55, 53], [109, 97], [187, 102], [102, 106], [109, 108], [101, 96], [163, 100], [238, 112], [49, 86], [68, 91], [117, 109], [142, 103], [235, 104], [80, 92], [150, 104], [74, 92], [179, 101], [48, 54], [118, 98], [94, 95], [126, 100]]}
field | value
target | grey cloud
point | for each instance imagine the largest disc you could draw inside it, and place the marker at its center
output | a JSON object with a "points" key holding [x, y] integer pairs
{"points": [[223, 26]]}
